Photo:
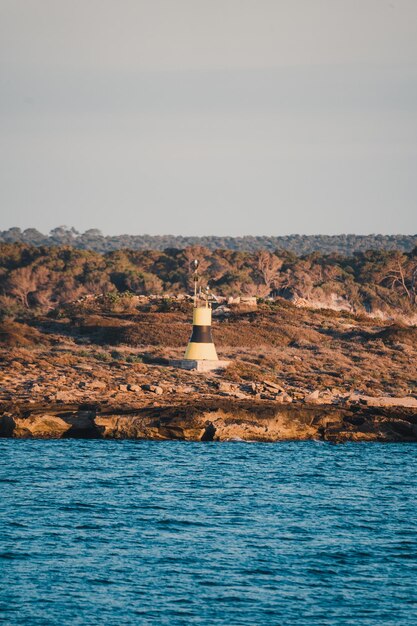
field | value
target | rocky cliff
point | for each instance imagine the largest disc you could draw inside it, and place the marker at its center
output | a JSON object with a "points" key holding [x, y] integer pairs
{"points": [[212, 420]]}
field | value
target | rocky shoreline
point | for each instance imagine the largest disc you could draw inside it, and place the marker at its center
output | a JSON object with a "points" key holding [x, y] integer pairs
{"points": [[213, 419], [293, 374]]}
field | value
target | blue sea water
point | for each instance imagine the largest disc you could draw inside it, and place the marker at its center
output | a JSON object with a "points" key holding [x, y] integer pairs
{"points": [[124, 532]]}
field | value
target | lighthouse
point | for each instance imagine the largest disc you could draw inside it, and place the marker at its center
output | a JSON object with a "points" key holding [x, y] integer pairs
{"points": [[201, 354], [201, 346]]}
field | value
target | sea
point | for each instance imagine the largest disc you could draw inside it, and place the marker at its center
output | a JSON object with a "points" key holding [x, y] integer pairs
{"points": [[97, 532]]}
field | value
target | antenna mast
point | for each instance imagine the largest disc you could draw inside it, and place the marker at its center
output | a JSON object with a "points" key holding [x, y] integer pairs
{"points": [[195, 263]]}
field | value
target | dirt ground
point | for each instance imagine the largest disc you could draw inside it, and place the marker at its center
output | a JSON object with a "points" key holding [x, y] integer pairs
{"points": [[282, 352]]}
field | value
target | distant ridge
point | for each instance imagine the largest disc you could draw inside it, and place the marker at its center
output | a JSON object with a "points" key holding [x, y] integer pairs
{"points": [[93, 239]]}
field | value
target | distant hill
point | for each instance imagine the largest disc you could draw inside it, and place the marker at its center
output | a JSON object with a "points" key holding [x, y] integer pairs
{"points": [[297, 244]]}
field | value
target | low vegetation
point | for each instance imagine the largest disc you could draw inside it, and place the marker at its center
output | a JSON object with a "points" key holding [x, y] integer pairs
{"points": [[299, 348]]}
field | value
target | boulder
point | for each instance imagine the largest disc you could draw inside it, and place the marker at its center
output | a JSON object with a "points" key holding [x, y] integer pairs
{"points": [[42, 426], [135, 388], [283, 398], [154, 389]]}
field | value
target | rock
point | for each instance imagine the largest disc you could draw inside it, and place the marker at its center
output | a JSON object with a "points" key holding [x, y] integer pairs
{"points": [[98, 384], [386, 401], [230, 419], [63, 396], [123, 387], [272, 386], [225, 387], [42, 426], [353, 398], [221, 310], [135, 388], [154, 389], [249, 300], [182, 389], [283, 398], [7, 425], [313, 397], [319, 397], [297, 395]]}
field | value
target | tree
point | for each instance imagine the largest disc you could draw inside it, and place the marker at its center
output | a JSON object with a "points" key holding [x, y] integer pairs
{"points": [[268, 265], [22, 282], [402, 276], [62, 235], [152, 284], [254, 289]]}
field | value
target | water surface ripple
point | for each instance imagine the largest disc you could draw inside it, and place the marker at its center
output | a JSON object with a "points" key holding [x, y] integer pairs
{"points": [[124, 532]]}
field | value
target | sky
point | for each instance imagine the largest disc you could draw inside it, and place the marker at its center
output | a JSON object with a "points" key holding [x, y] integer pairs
{"points": [[203, 117]]}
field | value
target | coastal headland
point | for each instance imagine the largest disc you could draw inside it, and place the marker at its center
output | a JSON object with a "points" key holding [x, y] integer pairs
{"points": [[320, 346], [295, 373]]}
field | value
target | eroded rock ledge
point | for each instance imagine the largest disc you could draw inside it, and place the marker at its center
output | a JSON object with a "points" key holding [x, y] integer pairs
{"points": [[211, 420]]}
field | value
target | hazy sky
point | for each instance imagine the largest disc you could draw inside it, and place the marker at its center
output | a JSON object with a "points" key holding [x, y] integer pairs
{"points": [[202, 117]]}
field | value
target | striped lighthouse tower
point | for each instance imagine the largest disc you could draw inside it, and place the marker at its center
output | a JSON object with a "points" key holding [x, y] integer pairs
{"points": [[201, 346]]}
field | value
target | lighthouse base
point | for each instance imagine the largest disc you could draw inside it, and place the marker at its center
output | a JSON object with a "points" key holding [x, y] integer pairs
{"points": [[200, 365]]}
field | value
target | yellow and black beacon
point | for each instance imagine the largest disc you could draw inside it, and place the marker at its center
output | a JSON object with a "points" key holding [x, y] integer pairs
{"points": [[201, 346]]}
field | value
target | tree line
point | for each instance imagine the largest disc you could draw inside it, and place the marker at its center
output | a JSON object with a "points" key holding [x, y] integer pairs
{"points": [[93, 239]]}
